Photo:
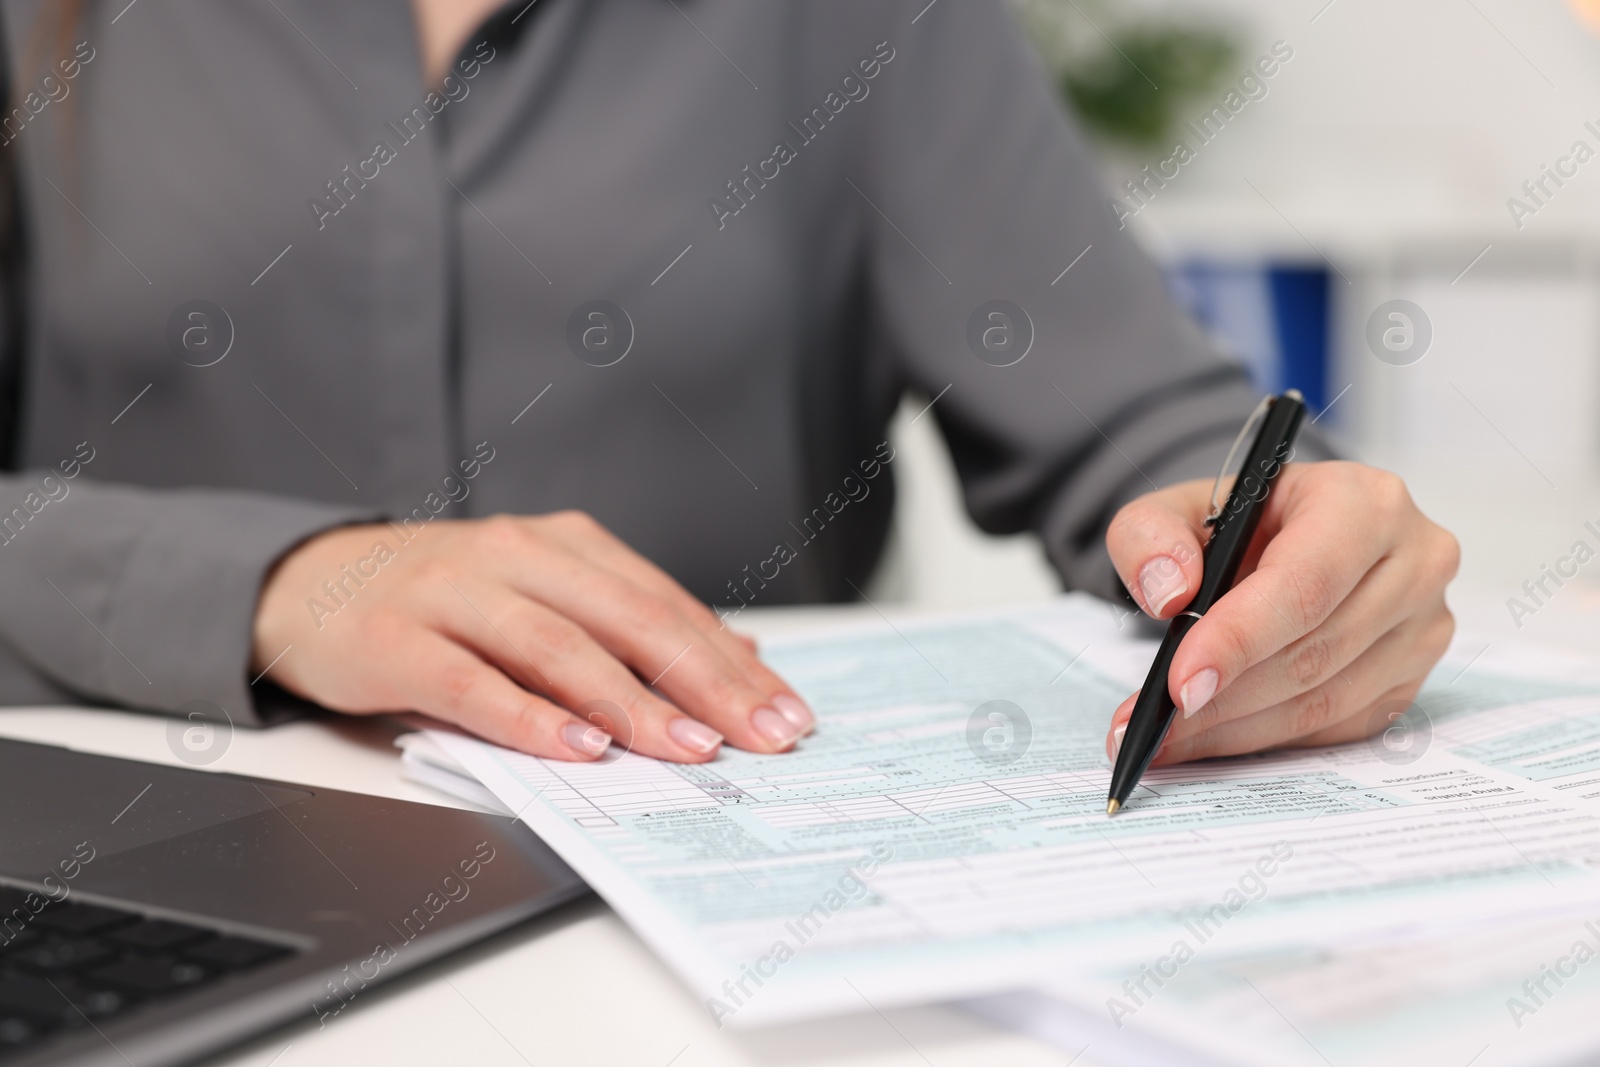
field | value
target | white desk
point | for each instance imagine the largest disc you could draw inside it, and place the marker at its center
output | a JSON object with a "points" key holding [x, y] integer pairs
{"points": [[578, 987], [575, 987]]}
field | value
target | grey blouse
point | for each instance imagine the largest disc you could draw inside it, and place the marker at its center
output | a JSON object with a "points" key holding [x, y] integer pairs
{"points": [[671, 262]]}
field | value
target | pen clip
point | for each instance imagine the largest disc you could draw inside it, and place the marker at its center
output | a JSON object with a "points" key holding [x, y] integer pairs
{"points": [[1216, 487]]}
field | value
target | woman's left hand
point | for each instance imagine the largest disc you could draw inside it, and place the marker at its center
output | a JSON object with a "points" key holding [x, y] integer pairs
{"points": [[1338, 613]]}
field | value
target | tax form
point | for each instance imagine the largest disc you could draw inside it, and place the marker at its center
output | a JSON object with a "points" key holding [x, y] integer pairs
{"points": [[1523, 990], [943, 832], [1518, 994]]}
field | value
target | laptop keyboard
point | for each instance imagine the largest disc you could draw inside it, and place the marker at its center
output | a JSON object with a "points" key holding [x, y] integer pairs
{"points": [[75, 964]]}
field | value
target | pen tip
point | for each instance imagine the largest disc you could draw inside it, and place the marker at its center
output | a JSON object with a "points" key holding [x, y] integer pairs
{"points": [[1113, 806]]}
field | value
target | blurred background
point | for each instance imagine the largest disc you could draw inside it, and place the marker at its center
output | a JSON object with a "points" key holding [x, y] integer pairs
{"points": [[1382, 161]]}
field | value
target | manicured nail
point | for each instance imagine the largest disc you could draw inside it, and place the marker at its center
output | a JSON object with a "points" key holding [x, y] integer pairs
{"points": [[1116, 740], [774, 727], [693, 735], [1198, 691], [589, 740], [1160, 580], [795, 710]]}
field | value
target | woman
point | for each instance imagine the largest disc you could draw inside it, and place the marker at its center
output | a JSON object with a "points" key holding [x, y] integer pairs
{"points": [[452, 356]]}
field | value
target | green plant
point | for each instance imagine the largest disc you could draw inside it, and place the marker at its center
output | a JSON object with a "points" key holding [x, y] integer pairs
{"points": [[1130, 79]]}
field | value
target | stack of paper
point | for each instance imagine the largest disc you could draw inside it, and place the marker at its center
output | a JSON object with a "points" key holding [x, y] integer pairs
{"points": [[943, 835]]}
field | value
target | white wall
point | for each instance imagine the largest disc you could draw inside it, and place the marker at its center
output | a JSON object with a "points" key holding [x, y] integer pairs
{"points": [[1389, 144], [937, 557], [1399, 118]]}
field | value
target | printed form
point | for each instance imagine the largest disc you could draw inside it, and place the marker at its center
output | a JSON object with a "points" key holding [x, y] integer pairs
{"points": [[1521, 991], [1519, 994], [943, 833]]}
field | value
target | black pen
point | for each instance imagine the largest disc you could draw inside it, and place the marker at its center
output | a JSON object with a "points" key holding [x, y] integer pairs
{"points": [[1232, 527]]}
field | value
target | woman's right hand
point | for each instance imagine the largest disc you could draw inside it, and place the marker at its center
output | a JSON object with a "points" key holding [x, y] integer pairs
{"points": [[545, 634]]}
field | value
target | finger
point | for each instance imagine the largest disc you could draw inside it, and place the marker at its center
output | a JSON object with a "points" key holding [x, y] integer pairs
{"points": [[544, 651], [589, 539], [1155, 544], [1405, 654], [699, 671], [1119, 726], [1381, 601], [453, 684], [1370, 723], [1278, 730], [1309, 565], [696, 673]]}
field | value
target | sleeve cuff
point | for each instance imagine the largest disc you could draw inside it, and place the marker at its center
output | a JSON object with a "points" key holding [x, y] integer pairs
{"points": [[183, 612]]}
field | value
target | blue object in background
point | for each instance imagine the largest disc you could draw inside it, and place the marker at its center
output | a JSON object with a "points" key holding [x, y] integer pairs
{"points": [[1272, 318], [1300, 313]]}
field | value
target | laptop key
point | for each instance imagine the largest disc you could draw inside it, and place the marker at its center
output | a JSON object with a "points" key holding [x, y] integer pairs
{"points": [[157, 935], [147, 976], [15, 1031], [99, 1003], [73, 918], [93, 1002], [17, 939], [36, 1001], [62, 955], [234, 953], [19, 908]]}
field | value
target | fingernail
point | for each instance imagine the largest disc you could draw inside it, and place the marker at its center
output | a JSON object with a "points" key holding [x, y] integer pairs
{"points": [[1116, 740], [774, 727], [693, 735], [1160, 580], [589, 740], [1198, 691], [795, 710]]}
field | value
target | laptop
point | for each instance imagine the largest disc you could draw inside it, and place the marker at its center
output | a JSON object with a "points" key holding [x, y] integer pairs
{"points": [[153, 914]]}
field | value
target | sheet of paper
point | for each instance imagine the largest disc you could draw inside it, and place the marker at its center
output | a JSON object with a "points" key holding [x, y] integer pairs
{"points": [[424, 762], [1520, 993], [943, 832]]}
